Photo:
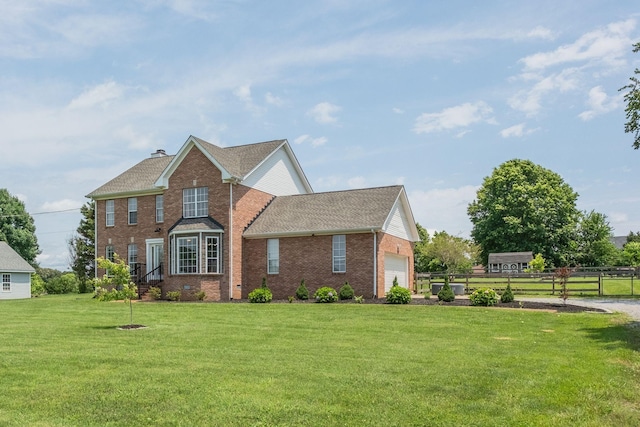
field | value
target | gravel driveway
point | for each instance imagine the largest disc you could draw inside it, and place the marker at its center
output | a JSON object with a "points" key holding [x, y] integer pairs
{"points": [[628, 306]]}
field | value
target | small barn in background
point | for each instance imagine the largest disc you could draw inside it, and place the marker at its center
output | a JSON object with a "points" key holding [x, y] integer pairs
{"points": [[509, 262], [15, 274]]}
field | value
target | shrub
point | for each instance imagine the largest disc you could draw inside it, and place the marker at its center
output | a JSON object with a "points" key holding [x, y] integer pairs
{"points": [[260, 295], [359, 299], [484, 296], [104, 294], [398, 295], [302, 293], [326, 294], [200, 295], [446, 293], [291, 298], [346, 292], [64, 284], [37, 285], [174, 295], [507, 295], [155, 292]]}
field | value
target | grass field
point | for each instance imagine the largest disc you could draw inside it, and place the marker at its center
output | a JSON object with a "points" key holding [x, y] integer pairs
{"points": [[64, 363]]}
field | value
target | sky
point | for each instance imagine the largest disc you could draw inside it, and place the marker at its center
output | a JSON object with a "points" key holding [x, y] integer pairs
{"points": [[429, 94]]}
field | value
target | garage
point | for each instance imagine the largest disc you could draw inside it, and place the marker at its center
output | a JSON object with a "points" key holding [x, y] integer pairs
{"points": [[395, 266]]}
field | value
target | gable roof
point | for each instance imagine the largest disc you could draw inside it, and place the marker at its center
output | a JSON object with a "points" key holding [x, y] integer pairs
{"points": [[11, 261], [140, 178], [334, 212], [235, 163], [509, 257]]}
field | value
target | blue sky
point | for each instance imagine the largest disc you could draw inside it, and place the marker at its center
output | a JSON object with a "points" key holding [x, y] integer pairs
{"points": [[429, 94]]}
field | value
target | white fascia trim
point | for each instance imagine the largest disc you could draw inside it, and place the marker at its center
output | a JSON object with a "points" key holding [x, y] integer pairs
{"points": [[294, 161], [402, 198], [17, 271], [312, 233], [196, 231], [163, 180], [124, 194]]}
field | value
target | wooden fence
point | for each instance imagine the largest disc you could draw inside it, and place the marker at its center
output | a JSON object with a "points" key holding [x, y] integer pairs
{"points": [[520, 283]]}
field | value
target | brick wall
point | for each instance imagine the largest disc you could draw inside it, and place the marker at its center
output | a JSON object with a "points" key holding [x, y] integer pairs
{"points": [[394, 245], [309, 258]]}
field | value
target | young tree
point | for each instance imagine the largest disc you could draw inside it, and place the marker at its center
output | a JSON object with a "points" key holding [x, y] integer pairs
{"points": [[118, 280], [524, 207], [537, 264], [17, 227], [632, 98], [454, 254], [593, 240], [82, 248]]}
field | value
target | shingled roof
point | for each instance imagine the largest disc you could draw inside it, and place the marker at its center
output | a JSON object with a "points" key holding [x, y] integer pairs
{"points": [[326, 213], [510, 257], [11, 261], [139, 178], [238, 161]]}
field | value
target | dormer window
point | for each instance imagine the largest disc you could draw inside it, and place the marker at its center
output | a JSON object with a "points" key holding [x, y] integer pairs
{"points": [[195, 202]]}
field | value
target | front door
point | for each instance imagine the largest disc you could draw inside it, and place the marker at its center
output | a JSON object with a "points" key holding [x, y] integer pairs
{"points": [[155, 257]]}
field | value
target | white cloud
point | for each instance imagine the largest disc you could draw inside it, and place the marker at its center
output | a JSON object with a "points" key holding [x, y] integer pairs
{"points": [[542, 33], [454, 117], [101, 94], [530, 101], [136, 140], [243, 93], [606, 45], [599, 103], [356, 182], [273, 100], [324, 112], [315, 142], [444, 209], [397, 110], [301, 139], [516, 131]]}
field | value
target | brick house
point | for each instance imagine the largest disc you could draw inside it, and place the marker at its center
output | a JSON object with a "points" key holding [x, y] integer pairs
{"points": [[221, 219]]}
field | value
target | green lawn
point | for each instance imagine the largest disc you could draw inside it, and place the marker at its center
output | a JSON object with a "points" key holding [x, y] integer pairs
{"points": [[63, 363]]}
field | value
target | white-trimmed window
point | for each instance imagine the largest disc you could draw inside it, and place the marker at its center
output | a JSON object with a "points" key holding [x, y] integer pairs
{"points": [[110, 213], [132, 258], [339, 253], [187, 249], [273, 256], [108, 253], [195, 202], [213, 254], [132, 204], [159, 208], [6, 282]]}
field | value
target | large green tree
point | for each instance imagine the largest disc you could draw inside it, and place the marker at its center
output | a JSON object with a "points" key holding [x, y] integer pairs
{"points": [[17, 227], [593, 241], [82, 248], [451, 253], [524, 207], [632, 98]]}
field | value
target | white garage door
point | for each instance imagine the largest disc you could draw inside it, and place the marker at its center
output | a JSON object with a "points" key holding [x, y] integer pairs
{"points": [[395, 266]]}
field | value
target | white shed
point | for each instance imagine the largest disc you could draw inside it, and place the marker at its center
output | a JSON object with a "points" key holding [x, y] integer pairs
{"points": [[15, 274]]}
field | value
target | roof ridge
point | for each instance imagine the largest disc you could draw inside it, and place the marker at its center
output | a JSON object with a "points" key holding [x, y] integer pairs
{"points": [[347, 190]]}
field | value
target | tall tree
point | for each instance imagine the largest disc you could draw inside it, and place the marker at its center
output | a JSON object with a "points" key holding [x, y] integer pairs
{"points": [[82, 248], [632, 98], [17, 227], [524, 207], [633, 237], [594, 246], [420, 255]]}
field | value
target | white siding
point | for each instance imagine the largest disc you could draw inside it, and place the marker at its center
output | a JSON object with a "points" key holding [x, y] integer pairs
{"points": [[395, 266], [20, 286], [277, 176], [397, 223]]}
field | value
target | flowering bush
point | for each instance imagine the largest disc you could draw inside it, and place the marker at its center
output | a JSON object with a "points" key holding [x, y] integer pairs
{"points": [[260, 295], [484, 296], [398, 295], [326, 294]]}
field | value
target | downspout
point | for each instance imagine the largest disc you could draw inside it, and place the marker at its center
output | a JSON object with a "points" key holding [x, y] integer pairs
{"points": [[375, 263], [95, 238], [230, 240]]}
